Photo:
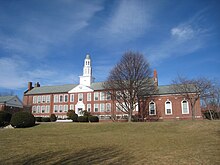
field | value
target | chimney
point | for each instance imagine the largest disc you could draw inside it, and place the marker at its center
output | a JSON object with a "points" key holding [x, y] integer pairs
{"points": [[30, 86], [37, 84], [155, 78]]}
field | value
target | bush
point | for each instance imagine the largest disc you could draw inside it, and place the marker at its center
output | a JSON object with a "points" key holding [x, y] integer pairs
{"points": [[74, 117], [53, 117], [22, 120], [38, 119], [45, 119], [93, 119], [83, 119], [5, 118]]}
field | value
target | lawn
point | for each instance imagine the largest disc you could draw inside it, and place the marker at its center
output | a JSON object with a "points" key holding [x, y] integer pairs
{"points": [[177, 142]]}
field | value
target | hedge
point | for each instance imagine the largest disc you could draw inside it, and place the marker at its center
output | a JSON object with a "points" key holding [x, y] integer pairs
{"points": [[22, 120], [45, 119], [5, 118], [53, 117], [83, 119], [93, 119], [38, 119]]}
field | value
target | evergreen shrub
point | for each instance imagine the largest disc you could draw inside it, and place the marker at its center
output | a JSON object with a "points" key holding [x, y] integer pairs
{"points": [[45, 119], [38, 119], [83, 119], [22, 120], [93, 119], [5, 118], [53, 117]]}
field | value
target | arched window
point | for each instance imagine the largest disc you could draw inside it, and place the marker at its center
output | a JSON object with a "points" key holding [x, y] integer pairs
{"points": [[152, 108], [168, 108], [185, 107]]}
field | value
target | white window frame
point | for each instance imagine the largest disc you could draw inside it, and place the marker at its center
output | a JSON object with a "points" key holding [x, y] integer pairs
{"points": [[38, 109], [96, 96], [96, 106], [102, 96], [43, 99], [48, 99], [71, 106], [34, 109], [47, 109], [34, 99], [61, 98], [171, 111], [89, 95], [102, 107], [43, 109], [71, 97], [60, 108], [187, 106], [108, 96], [56, 99], [80, 96], [150, 108], [88, 107], [38, 99], [55, 108], [108, 107], [65, 98], [65, 108]]}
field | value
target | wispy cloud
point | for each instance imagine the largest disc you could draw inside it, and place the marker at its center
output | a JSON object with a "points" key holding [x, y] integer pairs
{"points": [[37, 30], [185, 38]]}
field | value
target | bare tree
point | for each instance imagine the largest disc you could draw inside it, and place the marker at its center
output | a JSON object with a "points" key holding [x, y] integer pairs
{"points": [[193, 90], [129, 81]]}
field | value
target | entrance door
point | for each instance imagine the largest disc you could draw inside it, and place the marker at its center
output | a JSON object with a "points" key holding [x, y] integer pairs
{"points": [[80, 111]]}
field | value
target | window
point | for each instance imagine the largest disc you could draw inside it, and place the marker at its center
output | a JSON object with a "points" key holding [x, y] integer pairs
{"points": [[71, 107], [152, 108], [102, 107], [60, 98], [65, 98], [35, 99], [72, 98], [108, 95], [55, 108], [60, 108], [89, 107], [34, 109], [102, 95], [38, 109], [185, 107], [168, 108], [108, 107], [47, 109], [96, 96], [43, 99], [38, 99], [42, 109], [48, 99], [65, 108], [80, 97], [118, 107], [96, 107], [55, 98], [88, 96]]}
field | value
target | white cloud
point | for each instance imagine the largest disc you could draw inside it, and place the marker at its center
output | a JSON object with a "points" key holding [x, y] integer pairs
{"points": [[185, 38]]}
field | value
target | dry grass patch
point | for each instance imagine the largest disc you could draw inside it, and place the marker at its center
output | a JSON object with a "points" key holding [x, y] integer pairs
{"points": [[183, 142]]}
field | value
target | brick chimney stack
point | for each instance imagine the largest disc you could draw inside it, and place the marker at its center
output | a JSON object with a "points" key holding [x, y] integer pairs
{"points": [[155, 78], [30, 86], [37, 84]]}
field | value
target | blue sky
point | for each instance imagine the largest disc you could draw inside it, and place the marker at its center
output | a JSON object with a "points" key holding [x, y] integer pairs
{"points": [[46, 41]]}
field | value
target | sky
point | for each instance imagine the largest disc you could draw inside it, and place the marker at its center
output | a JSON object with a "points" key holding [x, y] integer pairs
{"points": [[46, 41]]}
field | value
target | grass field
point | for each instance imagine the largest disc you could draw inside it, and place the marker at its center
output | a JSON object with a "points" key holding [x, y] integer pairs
{"points": [[180, 142]]}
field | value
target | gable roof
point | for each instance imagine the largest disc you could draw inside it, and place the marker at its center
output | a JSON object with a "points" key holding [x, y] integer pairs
{"points": [[4, 99]]}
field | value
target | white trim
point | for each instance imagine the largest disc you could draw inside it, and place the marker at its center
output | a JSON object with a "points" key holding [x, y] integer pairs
{"points": [[171, 111], [154, 108], [187, 106]]}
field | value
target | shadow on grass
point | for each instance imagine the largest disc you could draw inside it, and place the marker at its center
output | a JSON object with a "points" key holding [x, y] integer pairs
{"points": [[85, 156]]}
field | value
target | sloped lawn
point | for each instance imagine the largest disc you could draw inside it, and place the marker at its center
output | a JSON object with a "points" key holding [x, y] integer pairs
{"points": [[180, 142]]}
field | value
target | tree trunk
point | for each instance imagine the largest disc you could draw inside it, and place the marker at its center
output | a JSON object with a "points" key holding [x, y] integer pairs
{"points": [[210, 113]]}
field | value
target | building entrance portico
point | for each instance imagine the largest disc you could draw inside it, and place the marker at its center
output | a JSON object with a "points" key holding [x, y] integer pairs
{"points": [[80, 107]]}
